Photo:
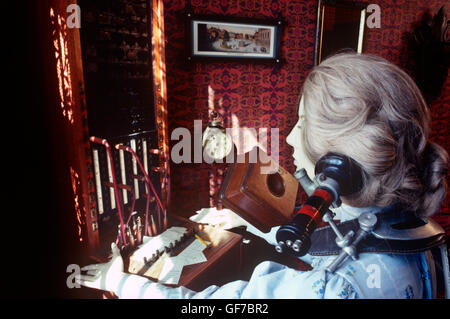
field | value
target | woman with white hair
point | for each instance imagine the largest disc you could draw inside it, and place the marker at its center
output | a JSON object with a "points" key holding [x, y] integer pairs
{"points": [[363, 107]]}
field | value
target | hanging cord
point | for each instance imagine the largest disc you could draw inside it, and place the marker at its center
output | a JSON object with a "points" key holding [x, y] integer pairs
{"points": [[147, 203], [116, 192], [147, 178], [131, 211], [149, 182], [132, 207], [166, 180]]}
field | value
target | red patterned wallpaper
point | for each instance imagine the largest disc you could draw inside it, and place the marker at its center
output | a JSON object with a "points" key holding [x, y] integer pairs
{"points": [[256, 95]]}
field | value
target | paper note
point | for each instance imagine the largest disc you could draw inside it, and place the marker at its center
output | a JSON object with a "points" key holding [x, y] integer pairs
{"points": [[158, 243], [202, 214], [195, 246], [173, 266], [192, 254], [212, 216], [171, 272]]}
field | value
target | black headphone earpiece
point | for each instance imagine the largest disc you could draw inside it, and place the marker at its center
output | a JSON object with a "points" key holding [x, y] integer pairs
{"points": [[344, 170]]}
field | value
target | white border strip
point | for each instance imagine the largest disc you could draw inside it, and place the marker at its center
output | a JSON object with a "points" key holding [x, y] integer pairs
{"points": [[123, 175], [98, 184], [111, 189], [362, 23], [135, 172]]}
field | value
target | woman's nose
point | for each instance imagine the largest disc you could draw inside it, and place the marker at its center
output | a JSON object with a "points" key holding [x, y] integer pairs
{"points": [[290, 137], [294, 135]]}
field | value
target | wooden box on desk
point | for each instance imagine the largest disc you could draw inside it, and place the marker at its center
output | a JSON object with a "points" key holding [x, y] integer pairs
{"points": [[222, 266], [264, 199]]}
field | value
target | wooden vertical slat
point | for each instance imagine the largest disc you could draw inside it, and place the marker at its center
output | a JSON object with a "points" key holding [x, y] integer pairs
{"points": [[72, 104], [159, 78]]}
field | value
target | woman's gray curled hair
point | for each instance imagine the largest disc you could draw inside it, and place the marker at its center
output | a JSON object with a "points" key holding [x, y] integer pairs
{"points": [[366, 108]]}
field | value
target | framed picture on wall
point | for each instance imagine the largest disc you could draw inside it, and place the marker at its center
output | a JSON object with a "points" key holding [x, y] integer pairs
{"points": [[220, 38]]}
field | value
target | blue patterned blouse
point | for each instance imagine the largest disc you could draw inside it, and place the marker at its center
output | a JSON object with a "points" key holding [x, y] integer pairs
{"points": [[371, 276]]}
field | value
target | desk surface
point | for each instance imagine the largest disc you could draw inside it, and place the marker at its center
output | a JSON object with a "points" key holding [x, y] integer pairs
{"points": [[228, 259], [224, 249]]}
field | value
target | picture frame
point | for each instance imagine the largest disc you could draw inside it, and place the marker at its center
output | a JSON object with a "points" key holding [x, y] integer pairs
{"points": [[230, 38]]}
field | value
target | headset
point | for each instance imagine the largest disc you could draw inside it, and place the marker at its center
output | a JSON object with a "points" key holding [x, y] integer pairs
{"points": [[395, 229], [336, 175]]}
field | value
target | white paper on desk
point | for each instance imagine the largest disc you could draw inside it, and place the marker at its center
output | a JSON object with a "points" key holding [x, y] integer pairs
{"points": [[158, 243], [170, 235], [173, 266], [193, 254], [171, 271], [211, 215], [201, 214]]}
